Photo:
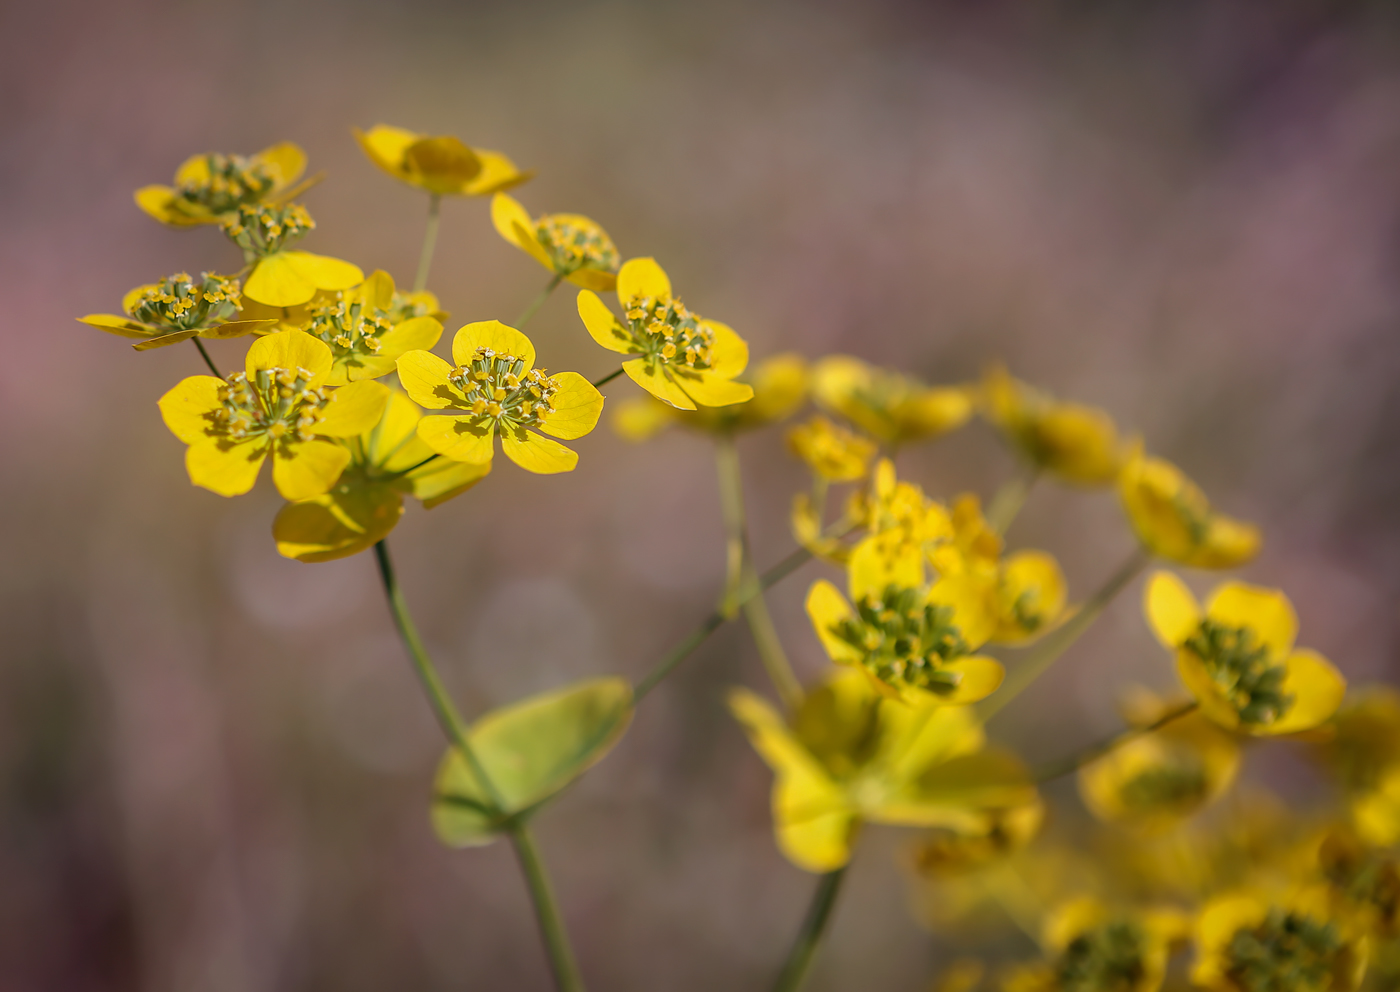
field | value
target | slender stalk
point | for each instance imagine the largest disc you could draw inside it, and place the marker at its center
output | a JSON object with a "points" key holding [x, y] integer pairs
{"points": [[538, 301], [804, 948], [1058, 641], [556, 938], [1007, 503], [607, 378], [430, 233], [1054, 769], [743, 578], [205, 355]]}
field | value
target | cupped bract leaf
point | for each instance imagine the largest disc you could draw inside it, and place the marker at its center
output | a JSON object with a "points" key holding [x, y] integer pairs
{"points": [[530, 750]]}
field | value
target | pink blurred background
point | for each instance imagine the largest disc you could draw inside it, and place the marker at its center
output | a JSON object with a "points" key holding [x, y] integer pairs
{"points": [[215, 763]]}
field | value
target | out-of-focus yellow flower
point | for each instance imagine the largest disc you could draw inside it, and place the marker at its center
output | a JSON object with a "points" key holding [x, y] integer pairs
{"points": [[973, 846], [779, 387], [279, 405], [686, 360], [1174, 520], [387, 461], [1249, 942], [890, 407], [1237, 657], [1362, 740], [569, 245], [359, 327], [850, 756], [1091, 948], [830, 451], [902, 525], [1077, 443], [1376, 811], [1155, 781], [442, 165], [178, 308], [282, 277], [495, 389], [1363, 881], [209, 186]]}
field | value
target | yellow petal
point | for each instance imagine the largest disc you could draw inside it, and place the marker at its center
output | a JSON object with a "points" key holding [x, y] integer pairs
{"points": [[827, 608], [955, 791], [978, 677], [497, 173], [460, 438], [1032, 595], [496, 336], [289, 350], [1199, 683], [188, 407], [537, 453], [708, 389], [239, 328], [290, 278], [440, 480], [933, 412], [602, 326], [353, 409], [424, 377], [377, 290], [414, 334], [1267, 612], [441, 165], [393, 443], [506, 214], [385, 147], [288, 161], [655, 381], [337, 524], [971, 598], [159, 202], [882, 560], [1317, 690], [577, 407], [1229, 543], [225, 467], [164, 340], [642, 277], [639, 418], [1171, 609], [730, 354], [594, 279], [303, 469], [112, 324]]}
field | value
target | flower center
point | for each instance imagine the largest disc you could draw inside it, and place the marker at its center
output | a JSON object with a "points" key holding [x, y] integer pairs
{"points": [[576, 246], [667, 332], [276, 403], [179, 303], [1178, 784], [263, 229], [1107, 958], [233, 180], [1239, 665], [350, 328], [905, 640], [497, 387], [1288, 952]]}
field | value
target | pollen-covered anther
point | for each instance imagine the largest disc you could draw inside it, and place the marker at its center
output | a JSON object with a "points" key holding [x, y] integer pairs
{"points": [[665, 331], [182, 303], [349, 326], [230, 182], [277, 403], [576, 246], [263, 229], [1239, 664], [905, 640], [496, 385]]}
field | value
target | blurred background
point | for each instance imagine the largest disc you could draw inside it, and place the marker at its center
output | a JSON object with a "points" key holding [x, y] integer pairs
{"points": [[215, 763]]}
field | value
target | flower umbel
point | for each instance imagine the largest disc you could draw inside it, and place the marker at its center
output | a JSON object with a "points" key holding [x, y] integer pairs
{"points": [[1075, 442], [364, 330], [209, 186], [892, 408], [442, 165], [569, 245], [282, 277], [1174, 520], [1248, 943], [178, 308]]}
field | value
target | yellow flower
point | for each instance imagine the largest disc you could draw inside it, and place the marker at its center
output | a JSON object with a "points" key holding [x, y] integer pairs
{"points": [[1250, 943], [890, 407], [830, 451], [915, 644], [443, 166], [279, 406], [902, 526], [282, 277], [1155, 781], [1075, 442], [386, 461], [779, 387], [1093, 949], [570, 245], [1174, 520], [1238, 660], [850, 756], [176, 309], [1362, 740], [995, 835], [209, 186], [360, 328], [686, 360], [1376, 811], [497, 391], [1362, 881]]}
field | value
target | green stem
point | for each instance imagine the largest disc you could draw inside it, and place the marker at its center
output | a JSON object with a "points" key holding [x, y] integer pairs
{"points": [[804, 948], [1072, 763], [207, 360], [538, 301], [1058, 641], [1009, 499], [608, 378], [742, 577], [556, 938], [430, 233]]}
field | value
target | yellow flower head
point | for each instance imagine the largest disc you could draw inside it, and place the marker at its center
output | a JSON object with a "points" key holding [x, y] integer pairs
{"points": [[950, 851], [1362, 740], [443, 166], [282, 277], [279, 405], [360, 327], [1251, 943], [495, 389], [1093, 949], [779, 387], [1075, 442], [830, 451], [387, 461], [209, 186], [686, 360], [902, 528], [178, 308], [1237, 657], [850, 756], [570, 245], [1174, 520], [1363, 881], [890, 407]]}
